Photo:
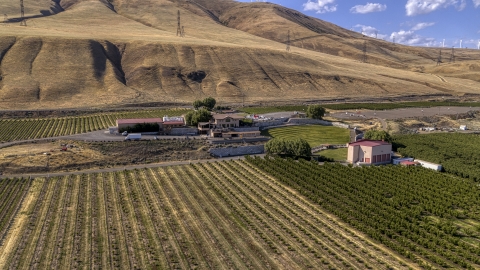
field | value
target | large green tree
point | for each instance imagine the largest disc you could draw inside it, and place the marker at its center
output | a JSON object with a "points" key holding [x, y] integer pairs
{"points": [[209, 103], [315, 111], [193, 118], [197, 104], [378, 135], [291, 147]]}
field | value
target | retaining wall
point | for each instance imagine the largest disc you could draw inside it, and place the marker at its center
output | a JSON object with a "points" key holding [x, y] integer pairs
{"points": [[182, 131]]}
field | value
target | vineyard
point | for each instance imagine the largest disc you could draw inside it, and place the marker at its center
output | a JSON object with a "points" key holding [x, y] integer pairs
{"points": [[12, 193], [23, 129], [431, 218], [203, 216], [361, 106], [458, 153]]}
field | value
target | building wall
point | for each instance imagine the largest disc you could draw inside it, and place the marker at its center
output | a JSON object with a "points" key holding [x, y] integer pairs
{"points": [[381, 154], [352, 155], [228, 122], [367, 154]]}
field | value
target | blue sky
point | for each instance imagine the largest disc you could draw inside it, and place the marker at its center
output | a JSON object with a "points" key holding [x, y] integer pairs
{"points": [[410, 22]]}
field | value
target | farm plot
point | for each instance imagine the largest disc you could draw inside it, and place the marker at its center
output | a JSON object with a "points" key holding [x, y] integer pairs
{"points": [[431, 218], [201, 216], [23, 129], [12, 193], [315, 135]]}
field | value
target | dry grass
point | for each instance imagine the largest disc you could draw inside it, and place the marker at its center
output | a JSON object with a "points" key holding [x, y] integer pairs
{"points": [[90, 55]]}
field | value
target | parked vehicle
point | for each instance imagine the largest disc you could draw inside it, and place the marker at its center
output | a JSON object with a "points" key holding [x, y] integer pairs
{"points": [[133, 136], [124, 133]]}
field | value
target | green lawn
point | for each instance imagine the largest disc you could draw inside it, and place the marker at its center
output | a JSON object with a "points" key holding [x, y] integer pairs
{"points": [[336, 154], [314, 135]]}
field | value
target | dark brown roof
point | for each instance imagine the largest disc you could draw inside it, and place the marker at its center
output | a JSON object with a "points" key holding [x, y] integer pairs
{"points": [[224, 116], [369, 143]]}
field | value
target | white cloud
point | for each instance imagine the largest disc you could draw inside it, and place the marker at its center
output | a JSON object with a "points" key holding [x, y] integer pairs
{"points": [[416, 7], [412, 39], [320, 6], [369, 31], [420, 26], [368, 8], [476, 3]]}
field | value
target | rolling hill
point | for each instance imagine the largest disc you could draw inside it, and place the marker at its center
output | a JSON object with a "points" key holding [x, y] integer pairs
{"points": [[93, 53]]}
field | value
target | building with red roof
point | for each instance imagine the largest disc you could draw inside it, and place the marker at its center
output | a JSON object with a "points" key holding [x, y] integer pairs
{"points": [[369, 152]]}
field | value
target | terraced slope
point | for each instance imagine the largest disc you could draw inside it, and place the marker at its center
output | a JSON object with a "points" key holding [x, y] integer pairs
{"points": [[97, 53]]}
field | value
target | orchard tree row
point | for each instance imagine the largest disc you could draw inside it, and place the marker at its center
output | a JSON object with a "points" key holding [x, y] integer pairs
{"points": [[458, 153], [421, 214]]}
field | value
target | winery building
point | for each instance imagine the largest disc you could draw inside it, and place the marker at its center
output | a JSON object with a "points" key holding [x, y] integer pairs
{"points": [[369, 152]]}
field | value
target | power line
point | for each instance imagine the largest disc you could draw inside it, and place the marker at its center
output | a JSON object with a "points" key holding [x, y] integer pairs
{"points": [[23, 22]]}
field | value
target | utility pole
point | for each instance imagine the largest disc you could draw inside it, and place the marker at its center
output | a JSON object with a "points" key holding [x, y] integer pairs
{"points": [[364, 60], [183, 31], [452, 57], [179, 27], [23, 22], [439, 60], [288, 41]]}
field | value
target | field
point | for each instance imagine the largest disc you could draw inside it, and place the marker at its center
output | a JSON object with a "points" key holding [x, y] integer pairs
{"points": [[360, 106], [335, 154], [12, 192], [23, 129], [204, 216], [29, 158], [428, 217], [458, 153], [314, 135]]}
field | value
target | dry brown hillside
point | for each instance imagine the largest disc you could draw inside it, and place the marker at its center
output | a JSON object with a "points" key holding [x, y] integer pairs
{"points": [[84, 53]]}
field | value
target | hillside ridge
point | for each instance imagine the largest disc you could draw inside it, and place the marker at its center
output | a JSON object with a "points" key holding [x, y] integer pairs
{"points": [[99, 53]]}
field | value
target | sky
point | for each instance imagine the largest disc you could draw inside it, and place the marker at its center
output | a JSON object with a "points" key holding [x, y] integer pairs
{"points": [[410, 22]]}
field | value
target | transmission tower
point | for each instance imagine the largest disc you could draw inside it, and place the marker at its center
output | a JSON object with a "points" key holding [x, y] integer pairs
{"points": [[23, 22], [452, 57], [288, 41], [439, 60], [179, 28], [183, 31], [364, 60]]}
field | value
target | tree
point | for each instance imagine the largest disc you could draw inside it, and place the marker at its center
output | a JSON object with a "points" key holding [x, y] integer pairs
{"points": [[209, 103], [292, 147], [197, 104], [193, 118], [377, 135], [315, 111]]}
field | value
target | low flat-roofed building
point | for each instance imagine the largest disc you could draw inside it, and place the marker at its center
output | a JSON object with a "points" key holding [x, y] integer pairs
{"points": [[369, 152]]}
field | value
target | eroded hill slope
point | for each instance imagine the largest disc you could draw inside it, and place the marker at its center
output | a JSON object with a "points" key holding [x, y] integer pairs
{"points": [[96, 53]]}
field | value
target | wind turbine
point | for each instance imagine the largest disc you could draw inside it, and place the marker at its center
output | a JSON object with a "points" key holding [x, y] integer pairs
{"points": [[461, 43], [443, 43], [478, 45]]}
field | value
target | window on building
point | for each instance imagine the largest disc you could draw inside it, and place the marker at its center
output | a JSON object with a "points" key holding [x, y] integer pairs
{"points": [[374, 159], [227, 120]]}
